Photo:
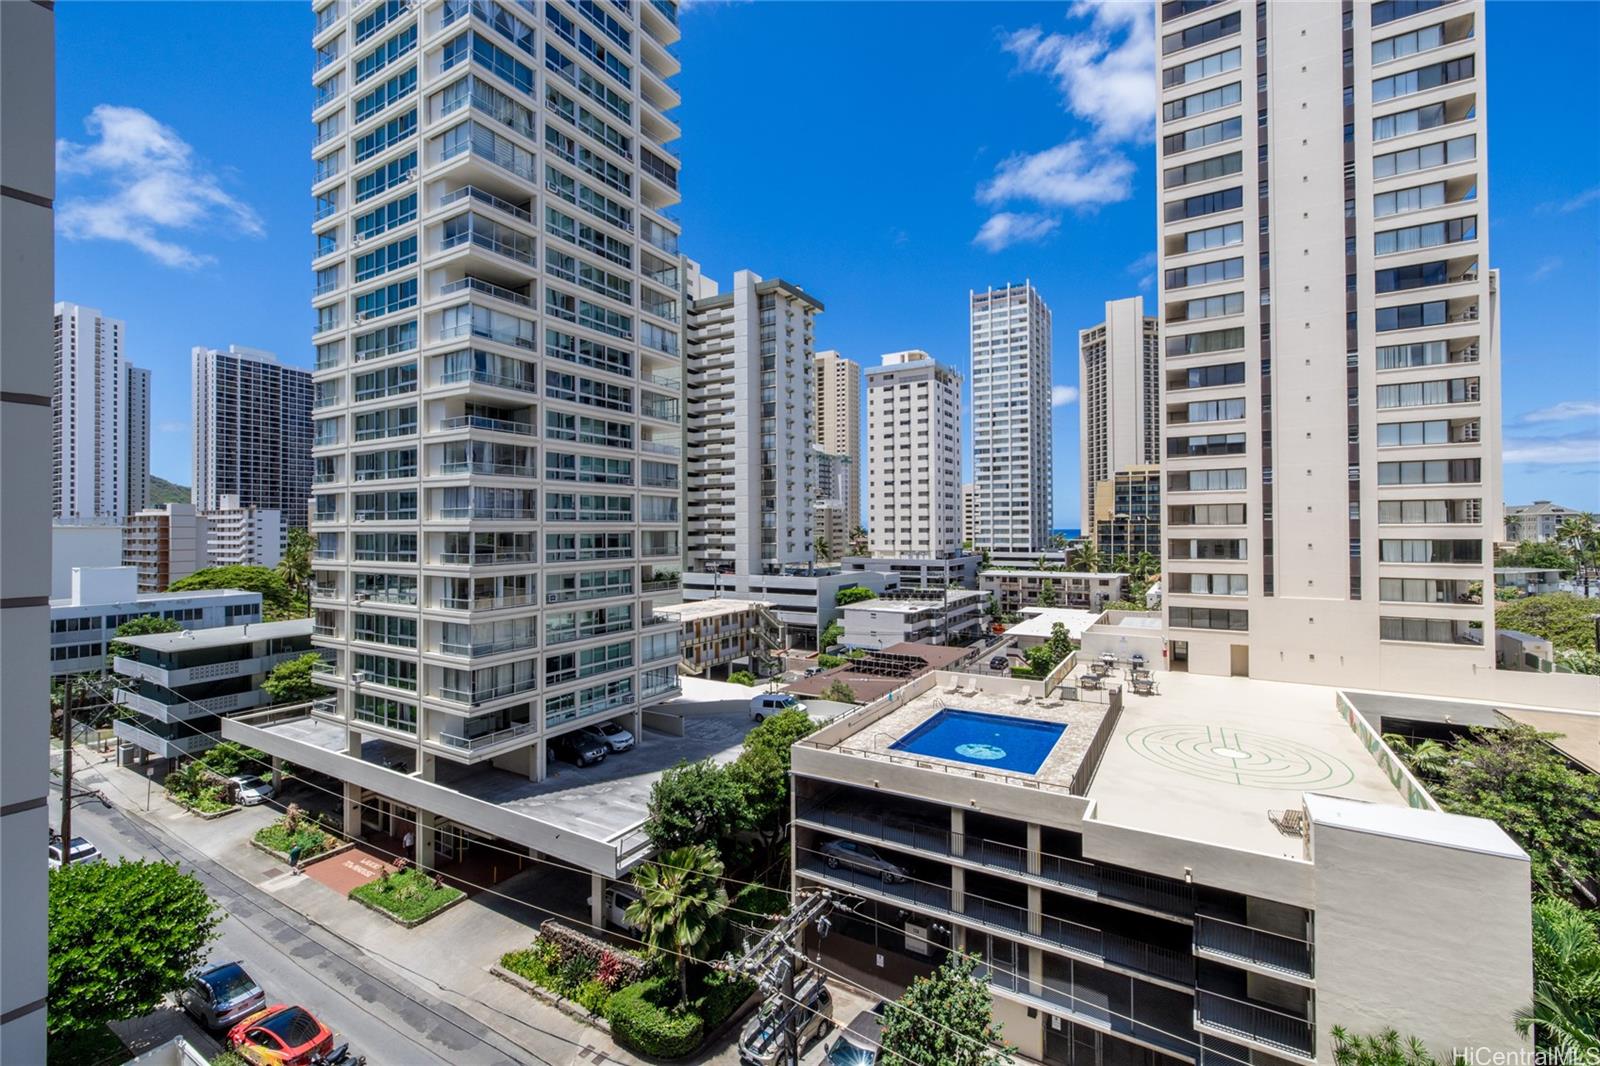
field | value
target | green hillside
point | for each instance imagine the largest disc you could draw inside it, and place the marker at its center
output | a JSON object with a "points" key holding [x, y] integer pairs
{"points": [[163, 491]]}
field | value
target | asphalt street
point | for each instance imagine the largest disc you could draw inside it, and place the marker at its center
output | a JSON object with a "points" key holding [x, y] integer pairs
{"points": [[383, 1015]]}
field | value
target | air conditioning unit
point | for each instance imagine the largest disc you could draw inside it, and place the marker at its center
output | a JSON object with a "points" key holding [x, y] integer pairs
{"points": [[360, 317], [361, 597], [359, 676], [357, 242]]}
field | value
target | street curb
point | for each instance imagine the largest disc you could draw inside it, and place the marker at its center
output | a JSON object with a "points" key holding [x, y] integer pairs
{"points": [[283, 856], [560, 1003], [204, 816]]}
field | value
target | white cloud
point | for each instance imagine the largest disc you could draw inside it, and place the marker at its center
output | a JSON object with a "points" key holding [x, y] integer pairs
{"points": [[1564, 411], [1061, 395], [1106, 73], [1580, 201], [1545, 269], [1553, 451], [1072, 174], [1007, 228], [151, 188]]}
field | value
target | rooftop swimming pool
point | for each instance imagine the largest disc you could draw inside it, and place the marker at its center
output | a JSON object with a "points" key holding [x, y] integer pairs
{"points": [[997, 741]]}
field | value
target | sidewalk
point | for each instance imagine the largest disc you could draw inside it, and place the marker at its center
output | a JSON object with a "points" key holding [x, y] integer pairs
{"points": [[447, 957]]}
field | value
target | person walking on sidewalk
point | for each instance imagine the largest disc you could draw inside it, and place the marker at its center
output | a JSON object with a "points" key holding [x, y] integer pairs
{"points": [[410, 842], [294, 859]]}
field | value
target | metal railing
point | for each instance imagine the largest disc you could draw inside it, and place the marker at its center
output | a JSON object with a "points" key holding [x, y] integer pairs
{"points": [[487, 198], [1265, 1025], [486, 287], [499, 425], [486, 740], [1273, 951]]}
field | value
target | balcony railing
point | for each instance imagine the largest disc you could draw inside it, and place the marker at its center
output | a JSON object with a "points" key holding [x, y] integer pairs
{"points": [[481, 466], [489, 514], [486, 740], [475, 696], [488, 288], [499, 425], [469, 191], [1253, 1021], [485, 558], [1269, 950], [488, 603]]}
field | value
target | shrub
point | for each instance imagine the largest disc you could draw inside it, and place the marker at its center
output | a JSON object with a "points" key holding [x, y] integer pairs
{"points": [[828, 662], [758, 899], [720, 996], [640, 1023], [608, 971], [1023, 672], [743, 677], [839, 692], [856, 653], [310, 837], [409, 895], [592, 996]]}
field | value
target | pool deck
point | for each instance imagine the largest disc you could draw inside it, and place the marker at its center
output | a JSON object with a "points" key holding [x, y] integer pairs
{"points": [[1208, 757], [1081, 719]]}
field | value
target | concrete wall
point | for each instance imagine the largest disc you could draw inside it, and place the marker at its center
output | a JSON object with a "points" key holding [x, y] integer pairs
{"points": [[84, 544], [1428, 938]]}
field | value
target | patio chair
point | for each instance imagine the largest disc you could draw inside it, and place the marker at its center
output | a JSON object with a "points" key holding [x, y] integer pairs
{"points": [[1025, 699], [1291, 823]]}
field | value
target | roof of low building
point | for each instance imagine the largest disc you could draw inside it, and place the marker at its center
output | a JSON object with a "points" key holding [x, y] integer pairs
{"points": [[220, 636], [696, 610]]}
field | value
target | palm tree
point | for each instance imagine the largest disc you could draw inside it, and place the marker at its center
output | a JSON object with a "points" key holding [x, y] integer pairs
{"points": [[1387, 1048], [824, 552], [1145, 565], [1087, 560], [295, 566], [1580, 536], [680, 898], [1429, 758], [1565, 1013]]}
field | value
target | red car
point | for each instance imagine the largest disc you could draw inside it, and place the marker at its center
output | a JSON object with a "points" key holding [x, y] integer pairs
{"points": [[280, 1036]]}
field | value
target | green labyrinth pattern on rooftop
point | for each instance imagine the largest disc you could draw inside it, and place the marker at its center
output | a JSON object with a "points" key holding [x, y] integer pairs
{"points": [[1239, 757]]}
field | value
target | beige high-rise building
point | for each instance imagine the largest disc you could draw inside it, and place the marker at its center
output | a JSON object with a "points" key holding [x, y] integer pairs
{"points": [[1119, 397], [837, 420], [1012, 464], [913, 457], [1331, 328]]}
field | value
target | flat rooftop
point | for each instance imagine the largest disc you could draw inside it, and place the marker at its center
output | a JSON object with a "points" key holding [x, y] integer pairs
{"points": [[220, 636], [907, 605], [699, 610], [1038, 622], [151, 597], [1207, 758]]}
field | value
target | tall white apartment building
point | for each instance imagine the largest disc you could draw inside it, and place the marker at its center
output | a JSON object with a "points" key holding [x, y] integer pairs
{"points": [[913, 457], [1331, 331], [89, 409], [1011, 453], [1119, 397], [252, 431], [969, 512], [837, 423], [240, 535], [750, 476], [498, 436], [136, 440]]}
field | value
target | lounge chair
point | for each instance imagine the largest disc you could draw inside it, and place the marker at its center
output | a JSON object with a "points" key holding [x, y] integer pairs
{"points": [[1291, 823]]}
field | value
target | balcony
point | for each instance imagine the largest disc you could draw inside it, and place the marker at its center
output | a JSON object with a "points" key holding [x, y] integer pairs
{"points": [[1242, 1019], [483, 559], [499, 292], [161, 746], [483, 197], [484, 741], [1233, 942], [475, 697], [486, 603], [497, 425], [488, 514], [484, 466], [183, 709]]}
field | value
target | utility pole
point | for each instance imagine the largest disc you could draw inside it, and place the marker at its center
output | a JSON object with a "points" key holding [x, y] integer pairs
{"points": [[772, 961], [66, 770]]}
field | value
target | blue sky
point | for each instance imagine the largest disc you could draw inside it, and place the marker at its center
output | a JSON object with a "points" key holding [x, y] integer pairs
{"points": [[886, 156]]}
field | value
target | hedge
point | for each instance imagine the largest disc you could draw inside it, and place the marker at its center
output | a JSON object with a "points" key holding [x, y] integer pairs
{"points": [[640, 1023]]}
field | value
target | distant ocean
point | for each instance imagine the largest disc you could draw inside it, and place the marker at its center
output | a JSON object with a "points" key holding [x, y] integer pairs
{"points": [[1070, 534]]}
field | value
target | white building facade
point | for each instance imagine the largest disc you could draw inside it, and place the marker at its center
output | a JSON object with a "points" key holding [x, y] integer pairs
{"points": [[913, 457], [1012, 465], [750, 469], [497, 435], [252, 431], [837, 430], [1331, 335], [89, 406], [1119, 397]]}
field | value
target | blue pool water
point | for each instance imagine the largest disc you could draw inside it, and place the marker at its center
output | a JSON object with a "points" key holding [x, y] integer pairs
{"points": [[997, 741]]}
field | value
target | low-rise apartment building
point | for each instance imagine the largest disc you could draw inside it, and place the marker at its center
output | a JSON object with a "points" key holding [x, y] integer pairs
{"points": [[84, 623], [805, 600], [914, 616], [1536, 521], [1155, 881], [182, 684], [1016, 589], [170, 542], [723, 635], [957, 571]]}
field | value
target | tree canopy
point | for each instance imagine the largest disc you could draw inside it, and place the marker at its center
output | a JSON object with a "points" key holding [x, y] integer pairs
{"points": [[295, 681], [121, 936], [1565, 1013], [277, 599], [695, 803], [1565, 620], [838, 692], [680, 899], [1386, 1048], [142, 626], [944, 1019]]}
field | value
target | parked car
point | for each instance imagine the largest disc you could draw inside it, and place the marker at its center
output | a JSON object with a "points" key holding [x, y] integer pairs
{"points": [[82, 852], [280, 1035], [579, 749], [857, 1044], [999, 662], [762, 1042], [617, 738], [251, 789], [615, 901], [220, 995], [863, 857], [770, 703]]}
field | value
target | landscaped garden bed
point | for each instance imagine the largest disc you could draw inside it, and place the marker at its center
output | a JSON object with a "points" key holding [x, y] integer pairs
{"points": [[294, 828], [407, 896]]}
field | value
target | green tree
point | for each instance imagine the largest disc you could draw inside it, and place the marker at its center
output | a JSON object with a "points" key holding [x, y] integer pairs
{"points": [[1047, 594], [838, 692], [1579, 662], [120, 938], [996, 615], [1058, 542], [295, 566], [277, 601], [1428, 759], [762, 772], [1386, 1048], [295, 681], [743, 677], [1539, 554], [1565, 1013], [695, 802], [824, 549], [143, 626], [858, 539], [853, 594], [680, 899], [1565, 620], [944, 1019], [831, 636], [1144, 566], [1087, 560], [1514, 777]]}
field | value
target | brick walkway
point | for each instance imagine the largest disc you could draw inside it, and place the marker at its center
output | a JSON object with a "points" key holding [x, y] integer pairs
{"points": [[346, 870]]}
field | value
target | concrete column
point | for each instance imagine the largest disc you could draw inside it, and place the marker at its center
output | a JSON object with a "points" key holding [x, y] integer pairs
{"points": [[1036, 972], [597, 901], [277, 773], [1035, 847], [352, 809], [958, 824], [423, 856], [537, 761], [958, 888], [636, 726], [352, 745], [426, 764], [1035, 909]]}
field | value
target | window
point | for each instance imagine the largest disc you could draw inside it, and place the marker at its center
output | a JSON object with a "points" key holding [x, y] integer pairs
{"points": [[1216, 237], [1386, 11], [395, 47], [1428, 353], [1217, 340], [1228, 129], [1203, 170], [1214, 306], [1416, 120], [1410, 316], [1206, 273], [1429, 512], [1215, 410], [1201, 377], [386, 136], [1205, 204], [1212, 444], [1428, 630], [1208, 618], [1431, 235], [1201, 102], [1225, 480], [1430, 551], [1416, 198], [1200, 34], [1405, 434], [1211, 584], [1427, 393], [1431, 472], [1195, 69], [1438, 154], [1422, 79], [1407, 44], [1412, 276]]}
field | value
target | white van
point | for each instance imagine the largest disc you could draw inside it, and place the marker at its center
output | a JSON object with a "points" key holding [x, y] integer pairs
{"points": [[617, 899], [770, 703]]}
